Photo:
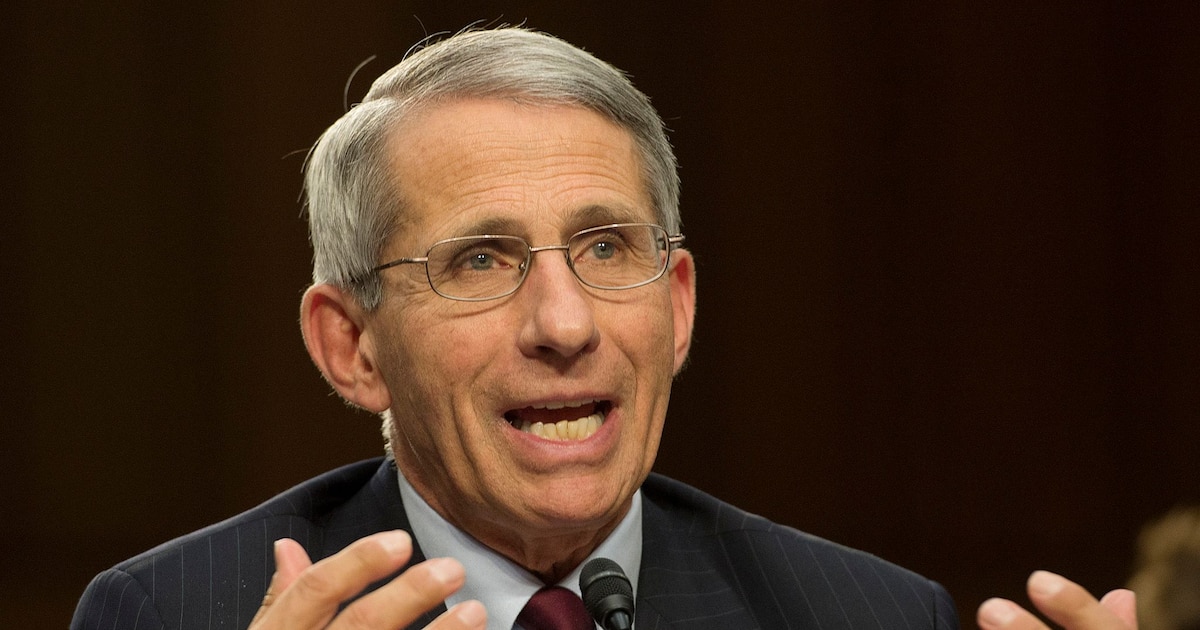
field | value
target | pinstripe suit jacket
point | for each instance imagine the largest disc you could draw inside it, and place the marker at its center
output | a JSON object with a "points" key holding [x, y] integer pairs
{"points": [[705, 564]]}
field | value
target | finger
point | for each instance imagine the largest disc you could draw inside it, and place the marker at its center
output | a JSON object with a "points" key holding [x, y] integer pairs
{"points": [[290, 561], [313, 596], [1002, 614], [1123, 603], [401, 601], [469, 615], [1069, 605]]}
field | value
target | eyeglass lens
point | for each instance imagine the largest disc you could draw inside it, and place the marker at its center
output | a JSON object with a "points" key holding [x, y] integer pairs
{"points": [[607, 257]]}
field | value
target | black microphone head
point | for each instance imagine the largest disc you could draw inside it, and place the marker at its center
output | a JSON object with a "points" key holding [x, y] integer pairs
{"points": [[607, 594]]}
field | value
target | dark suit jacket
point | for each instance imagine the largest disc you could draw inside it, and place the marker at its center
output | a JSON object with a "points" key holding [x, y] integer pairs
{"points": [[705, 564]]}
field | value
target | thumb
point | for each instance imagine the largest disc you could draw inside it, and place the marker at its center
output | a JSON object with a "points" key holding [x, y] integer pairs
{"points": [[290, 561]]}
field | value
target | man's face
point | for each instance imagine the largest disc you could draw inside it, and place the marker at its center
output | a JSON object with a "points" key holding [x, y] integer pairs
{"points": [[463, 376]]}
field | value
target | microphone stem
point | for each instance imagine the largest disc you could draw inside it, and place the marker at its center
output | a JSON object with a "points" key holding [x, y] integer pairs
{"points": [[618, 620]]}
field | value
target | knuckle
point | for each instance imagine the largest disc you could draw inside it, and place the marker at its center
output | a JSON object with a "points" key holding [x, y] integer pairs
{"points": [[314, 584], [359, 615], [426, 584]]}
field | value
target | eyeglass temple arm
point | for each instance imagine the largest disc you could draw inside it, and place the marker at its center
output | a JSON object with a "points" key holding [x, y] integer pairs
{"points": [[398, 262]]}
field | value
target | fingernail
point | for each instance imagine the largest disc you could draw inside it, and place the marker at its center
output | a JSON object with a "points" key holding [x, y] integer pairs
{"points": [[278, 543], [471, 613], [1045, 583], [1117, 596], [997, 612], [445, 570], [395, 542]]}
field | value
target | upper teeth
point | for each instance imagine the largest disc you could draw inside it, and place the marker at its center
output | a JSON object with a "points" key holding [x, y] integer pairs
{"points": [[561, 404]]}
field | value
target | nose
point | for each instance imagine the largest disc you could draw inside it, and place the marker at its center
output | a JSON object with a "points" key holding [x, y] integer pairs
{"points": [[559, 318]]}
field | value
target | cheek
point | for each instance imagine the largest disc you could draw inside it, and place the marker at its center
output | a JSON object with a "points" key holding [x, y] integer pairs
{"points": [[462, 354], [428, 399], [440, 360], [646, 333]]}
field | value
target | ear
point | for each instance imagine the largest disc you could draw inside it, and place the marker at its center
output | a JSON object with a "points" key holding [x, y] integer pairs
{"points": [[332, 323], [682, 276]]}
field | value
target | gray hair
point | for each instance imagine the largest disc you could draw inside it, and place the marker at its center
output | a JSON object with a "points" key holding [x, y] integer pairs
{"points": [[353, 207]]}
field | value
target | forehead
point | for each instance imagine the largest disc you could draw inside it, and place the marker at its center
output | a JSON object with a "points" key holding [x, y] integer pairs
{"points": [[469, 164]]}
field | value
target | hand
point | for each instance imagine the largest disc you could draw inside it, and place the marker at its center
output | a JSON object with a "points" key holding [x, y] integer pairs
{"points": [[1064, 602], [303, 595]]}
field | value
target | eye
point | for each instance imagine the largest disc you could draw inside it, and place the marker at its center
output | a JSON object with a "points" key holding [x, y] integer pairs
{"points": [[606, 246], [480, 255], [481, 261], [603, 250]]}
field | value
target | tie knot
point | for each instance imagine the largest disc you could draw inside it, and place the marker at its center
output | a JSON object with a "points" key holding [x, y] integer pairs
{"points": [[555, 608]]}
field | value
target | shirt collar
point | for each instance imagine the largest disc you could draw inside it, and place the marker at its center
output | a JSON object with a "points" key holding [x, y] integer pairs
{"points": [[502, 586]]}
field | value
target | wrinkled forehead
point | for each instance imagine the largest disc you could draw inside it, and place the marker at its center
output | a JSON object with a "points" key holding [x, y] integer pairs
{"points": [[492, 166]]}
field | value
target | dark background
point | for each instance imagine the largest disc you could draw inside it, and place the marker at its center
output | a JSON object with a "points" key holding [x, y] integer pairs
{"points": [[947, 261]]}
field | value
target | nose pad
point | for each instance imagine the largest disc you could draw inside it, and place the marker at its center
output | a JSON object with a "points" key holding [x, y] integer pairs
{"points": [[559, 317]]}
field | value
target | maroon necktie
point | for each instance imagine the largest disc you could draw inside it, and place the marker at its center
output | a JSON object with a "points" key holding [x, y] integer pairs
{"points": [[555, 608]]}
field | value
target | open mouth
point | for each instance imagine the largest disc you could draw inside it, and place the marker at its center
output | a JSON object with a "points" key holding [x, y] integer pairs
{"points": [[561, 421]]}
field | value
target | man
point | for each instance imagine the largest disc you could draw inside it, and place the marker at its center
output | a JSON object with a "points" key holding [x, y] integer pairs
{"points": [[499, 274]]}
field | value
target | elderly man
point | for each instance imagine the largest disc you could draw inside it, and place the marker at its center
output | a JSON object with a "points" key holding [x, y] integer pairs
{"points": [[499, 274]]}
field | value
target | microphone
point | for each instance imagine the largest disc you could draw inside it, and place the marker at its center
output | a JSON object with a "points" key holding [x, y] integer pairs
{"points": [[607, 594]]}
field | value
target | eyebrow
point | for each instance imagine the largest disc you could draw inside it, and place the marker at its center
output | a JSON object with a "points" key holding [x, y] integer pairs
{"points": [[491, 225], [594, 215], [585, 217]]}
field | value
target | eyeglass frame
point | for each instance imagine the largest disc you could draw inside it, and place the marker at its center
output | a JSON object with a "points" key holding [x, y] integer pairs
{"points": [[673, 242]]}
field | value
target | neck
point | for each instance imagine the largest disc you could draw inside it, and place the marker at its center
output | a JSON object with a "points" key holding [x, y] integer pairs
{"points": [[548, 550], [548, 546], [550, 557]]}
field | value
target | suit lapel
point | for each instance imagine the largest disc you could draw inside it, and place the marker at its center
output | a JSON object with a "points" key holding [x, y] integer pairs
{"points": [[679, 584]]}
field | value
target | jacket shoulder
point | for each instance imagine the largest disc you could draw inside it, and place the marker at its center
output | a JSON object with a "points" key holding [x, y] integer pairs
{"points": [[784, 577], [221, 572]]}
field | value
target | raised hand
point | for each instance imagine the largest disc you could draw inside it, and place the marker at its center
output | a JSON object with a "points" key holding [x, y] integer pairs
{"points": [[303, 595], [1063, 602]]}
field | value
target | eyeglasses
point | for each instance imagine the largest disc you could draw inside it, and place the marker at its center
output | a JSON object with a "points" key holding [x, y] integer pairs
{"points": [[492, 266]]}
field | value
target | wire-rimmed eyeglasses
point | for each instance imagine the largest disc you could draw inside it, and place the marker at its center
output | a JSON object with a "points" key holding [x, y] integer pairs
{"points": [[491, 266]]}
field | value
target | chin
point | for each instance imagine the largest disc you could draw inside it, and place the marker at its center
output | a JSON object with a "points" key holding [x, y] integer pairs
{"points": [[574, 502]]}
